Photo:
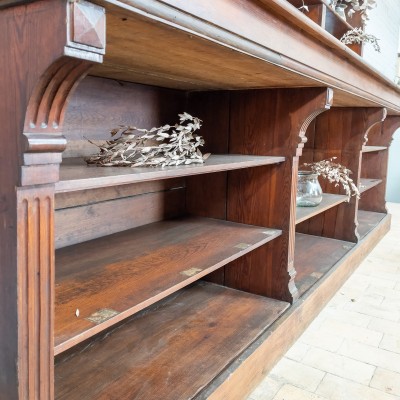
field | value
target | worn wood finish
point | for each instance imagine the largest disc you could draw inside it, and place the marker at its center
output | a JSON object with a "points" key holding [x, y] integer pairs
{"points": [[367, 184], [129, 271], [267, 196], [76, 175], [202, 320], [238, 381], [341, 133], [34, 37], [86, 197], [314, 256], [111, 216], [367, 221], [125, 104], [328, 201], [375, 165]]}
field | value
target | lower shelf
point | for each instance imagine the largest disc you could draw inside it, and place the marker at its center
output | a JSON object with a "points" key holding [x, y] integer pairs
{"points": [[111, 278], [367, 221], [171, 351], [314, 257]]}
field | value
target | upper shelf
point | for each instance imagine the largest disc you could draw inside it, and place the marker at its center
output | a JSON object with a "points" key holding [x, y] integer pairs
{"points": [[113, 277], [203, 45], [76, 175], [369, 149], [366, 184]]}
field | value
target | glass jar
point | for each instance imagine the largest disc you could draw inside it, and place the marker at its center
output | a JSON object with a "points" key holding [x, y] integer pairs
{"points": [[341, 10], [309, 191]]}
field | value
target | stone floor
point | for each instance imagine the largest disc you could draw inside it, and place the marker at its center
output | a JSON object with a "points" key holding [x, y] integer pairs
{"points": [[352, 349]]}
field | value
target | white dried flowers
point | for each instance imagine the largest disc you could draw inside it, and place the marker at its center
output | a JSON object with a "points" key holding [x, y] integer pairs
{"points": [[335, 173], [158, 147], [357, 35]]}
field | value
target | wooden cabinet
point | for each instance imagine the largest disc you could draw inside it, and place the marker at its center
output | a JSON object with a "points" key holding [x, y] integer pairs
{"points": [[176, 282]]}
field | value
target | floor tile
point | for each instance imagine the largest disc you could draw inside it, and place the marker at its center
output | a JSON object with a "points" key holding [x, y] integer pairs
{"points": [[371, 355], [297, 351], [267, 390], [387, 381], [297, 374], [336, 388], [289, 392], [391, 343], [339, 365]]}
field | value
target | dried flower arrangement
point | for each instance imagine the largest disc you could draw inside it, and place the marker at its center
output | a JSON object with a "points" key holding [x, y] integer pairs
{"points": [[158, 147], [357, 35], [361, 6], [335, 173]]}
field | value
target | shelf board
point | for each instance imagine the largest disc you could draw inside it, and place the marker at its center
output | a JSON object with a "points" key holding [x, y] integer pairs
{"points": [[165, 351], [328, 201], [367, 184], [367, 221], [314, 257], [369, 149], [76, 175], [128, 271]]}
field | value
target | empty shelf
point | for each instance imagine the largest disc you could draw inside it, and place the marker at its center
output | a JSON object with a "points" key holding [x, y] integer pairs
{"points": [[366, 184], [315, 256], [76, 175], [113, 277], [367, 220], [328, 201], [171, 351], [369, 149]]}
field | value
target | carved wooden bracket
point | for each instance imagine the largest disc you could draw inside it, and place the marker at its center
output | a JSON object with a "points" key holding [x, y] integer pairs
{"points": [[43, 140]]}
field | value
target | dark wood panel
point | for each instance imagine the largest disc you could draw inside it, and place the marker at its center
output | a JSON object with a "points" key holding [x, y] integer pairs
{"points": [[76, 175], [127, 272], [164, 353], [99, 105], [314, 257], [91, 196], [267, 195], [367, 221], [79, 224]]}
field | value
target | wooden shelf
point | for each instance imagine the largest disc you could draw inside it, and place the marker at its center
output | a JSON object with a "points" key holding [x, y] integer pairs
{"points": [[171, 351], [369, 149], [120, 274], [328, 201], [76, 175], [367, 221], [367, 184], [314, 257]]}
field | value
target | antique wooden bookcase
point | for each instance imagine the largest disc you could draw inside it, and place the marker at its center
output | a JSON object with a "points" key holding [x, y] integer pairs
{"points": [[184, 282]]}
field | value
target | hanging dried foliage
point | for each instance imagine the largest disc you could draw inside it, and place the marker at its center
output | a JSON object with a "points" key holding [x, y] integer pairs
{"points": [[158, 147]]}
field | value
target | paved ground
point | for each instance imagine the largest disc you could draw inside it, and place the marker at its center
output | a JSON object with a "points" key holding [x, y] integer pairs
{"points": [[352, 349]]}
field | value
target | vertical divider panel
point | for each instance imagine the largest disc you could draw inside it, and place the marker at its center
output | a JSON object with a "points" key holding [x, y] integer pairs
{"points": [[375, 164], [341, 133], [269, 122]]}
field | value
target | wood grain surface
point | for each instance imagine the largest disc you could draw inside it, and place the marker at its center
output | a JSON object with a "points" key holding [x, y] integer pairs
{"points": [[367, 221], [128, 271], [164, 353]]}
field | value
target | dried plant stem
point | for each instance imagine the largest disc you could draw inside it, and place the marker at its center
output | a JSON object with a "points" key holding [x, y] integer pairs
{"points": [[164, 146], [335, 173]]}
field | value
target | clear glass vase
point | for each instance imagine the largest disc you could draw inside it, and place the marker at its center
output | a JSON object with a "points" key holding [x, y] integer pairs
{"points": [[309, 191], [341, 10]]}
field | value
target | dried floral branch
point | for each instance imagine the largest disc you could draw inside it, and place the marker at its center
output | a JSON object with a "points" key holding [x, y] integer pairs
{"points": [[357, 35], [362, 6], [335, 173], [303, 7], [164, 146]]}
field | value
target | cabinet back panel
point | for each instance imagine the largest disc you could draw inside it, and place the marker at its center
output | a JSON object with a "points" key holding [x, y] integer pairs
{"points": [[99, 105], [115, 209]]}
